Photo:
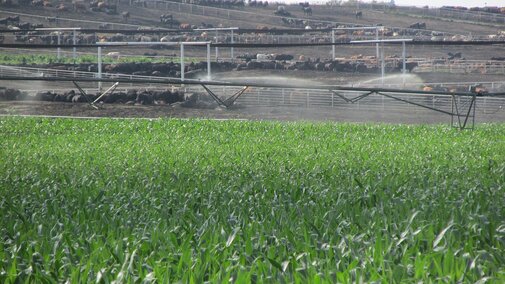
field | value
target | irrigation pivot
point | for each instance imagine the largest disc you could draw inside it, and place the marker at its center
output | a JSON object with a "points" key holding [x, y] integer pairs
{"points": [[462, 113]]}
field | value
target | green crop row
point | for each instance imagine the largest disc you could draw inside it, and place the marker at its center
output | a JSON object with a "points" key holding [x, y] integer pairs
{"points": [[217, 201]]}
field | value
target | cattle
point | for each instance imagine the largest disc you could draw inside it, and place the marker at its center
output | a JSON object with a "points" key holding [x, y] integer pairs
{"points": [[206, 26], [281, 11], [409, 66], [140, 3], [24, 26], [37, 3], [166, 39], [184, 26], [452, 56], [111, 9], [307, 11], [418, 26], [358, 14], [264, 57], [13, 19], [126, 16], [247, 56], [304, 4], [52, 19], [79, 6], [478, 89], [114, 55], [61, 7], [146, 38], [283, 57], [168, 19]]}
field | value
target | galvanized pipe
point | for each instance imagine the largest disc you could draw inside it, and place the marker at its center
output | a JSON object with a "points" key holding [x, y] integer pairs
{"points": [[209, 77], [182, 62], [99, 67]]}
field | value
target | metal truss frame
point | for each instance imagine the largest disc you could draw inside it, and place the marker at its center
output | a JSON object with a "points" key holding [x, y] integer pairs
{"points": [[460, 112], [230, 101]]}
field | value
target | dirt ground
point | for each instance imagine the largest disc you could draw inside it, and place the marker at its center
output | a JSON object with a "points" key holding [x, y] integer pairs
{"points": [[408, 115]]}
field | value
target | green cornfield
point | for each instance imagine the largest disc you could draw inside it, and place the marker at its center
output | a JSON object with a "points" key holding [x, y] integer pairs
{"points": [[195, 201]]}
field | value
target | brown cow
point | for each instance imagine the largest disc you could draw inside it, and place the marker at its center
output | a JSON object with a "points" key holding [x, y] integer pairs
{"points": [[184, 26], [61, 7], [79, 6]]}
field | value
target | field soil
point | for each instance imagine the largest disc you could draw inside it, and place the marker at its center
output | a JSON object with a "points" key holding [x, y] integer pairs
{"points": [[411, 115]]}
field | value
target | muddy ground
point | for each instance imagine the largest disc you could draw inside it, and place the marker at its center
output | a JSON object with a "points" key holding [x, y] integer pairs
{"points": [[407, 115]]}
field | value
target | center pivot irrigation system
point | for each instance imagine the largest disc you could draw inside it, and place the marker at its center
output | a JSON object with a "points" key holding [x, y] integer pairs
{"points": [[463, 104], [462, 113]]}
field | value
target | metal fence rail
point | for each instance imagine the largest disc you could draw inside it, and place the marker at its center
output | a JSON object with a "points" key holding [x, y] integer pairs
{"points": [[466, 15], [45, 72]]}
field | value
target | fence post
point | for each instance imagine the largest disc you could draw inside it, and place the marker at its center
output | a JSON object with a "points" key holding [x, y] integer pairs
{"points": [[182, 61], [99, 68]]}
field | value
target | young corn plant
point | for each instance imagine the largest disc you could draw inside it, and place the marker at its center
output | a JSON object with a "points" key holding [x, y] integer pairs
{"points": [[217, 201]]}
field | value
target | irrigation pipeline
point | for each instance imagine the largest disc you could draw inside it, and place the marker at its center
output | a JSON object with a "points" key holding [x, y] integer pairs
{"points": [[261, 45], [333, 88]]}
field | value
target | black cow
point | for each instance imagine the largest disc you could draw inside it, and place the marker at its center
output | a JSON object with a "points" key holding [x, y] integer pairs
{"points": [[307, 11], [409, 66], [126, 16]]}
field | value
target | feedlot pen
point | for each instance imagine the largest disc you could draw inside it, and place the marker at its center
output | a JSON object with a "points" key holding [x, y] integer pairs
{"points": [[302, 103]]}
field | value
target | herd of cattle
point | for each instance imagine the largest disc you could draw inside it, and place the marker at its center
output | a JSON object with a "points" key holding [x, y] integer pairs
{"points": [[131, 97], [487, 9], [264, 35], [195, 69], [167, 97]]}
